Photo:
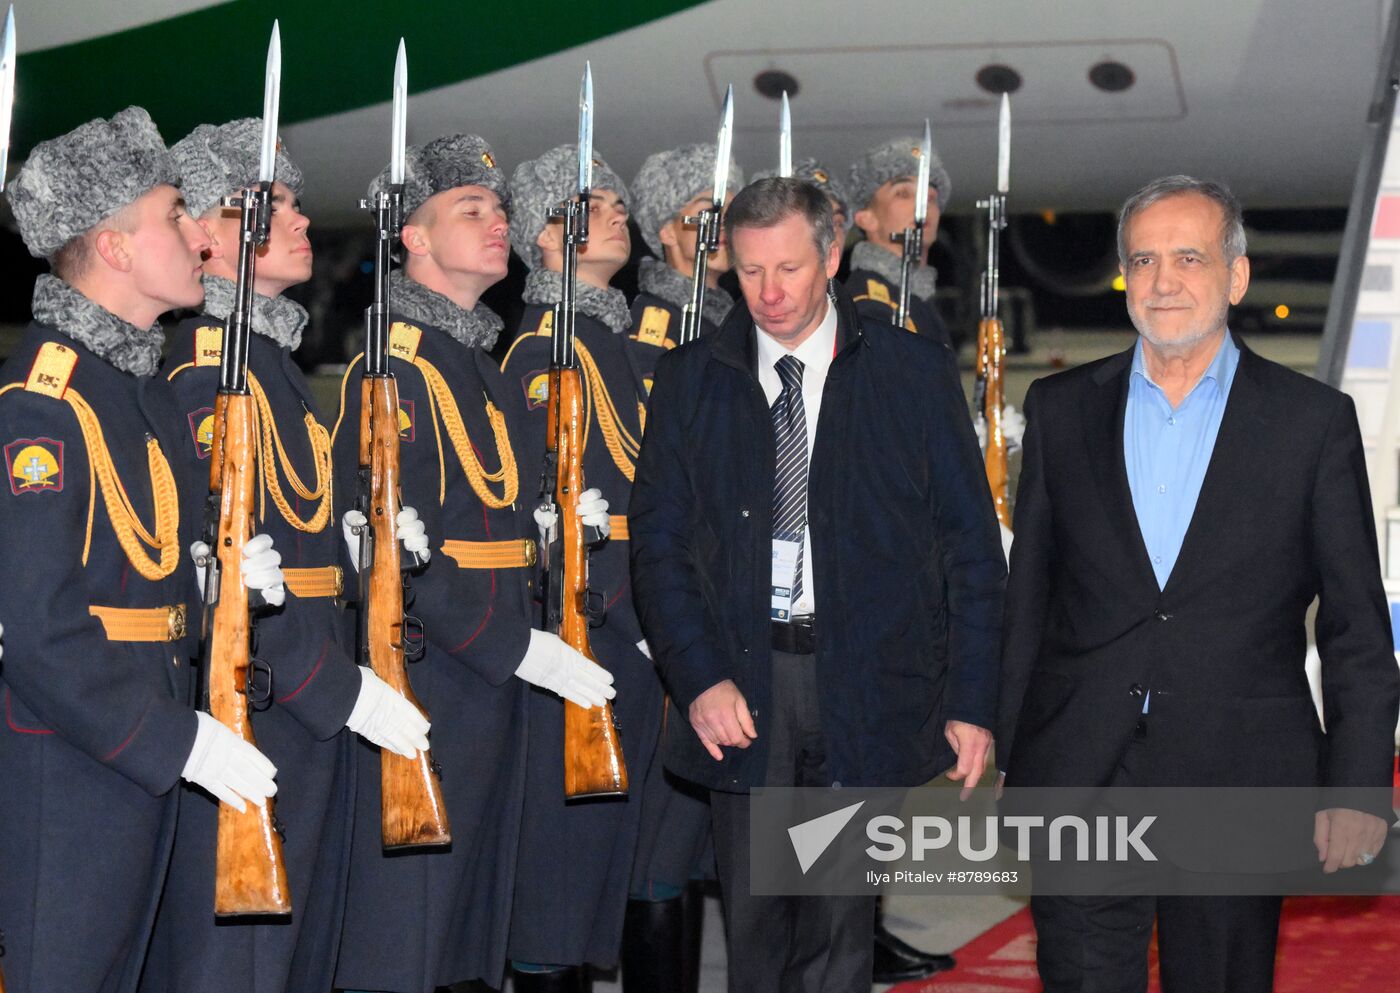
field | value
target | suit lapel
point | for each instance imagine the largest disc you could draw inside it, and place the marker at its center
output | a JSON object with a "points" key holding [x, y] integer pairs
{"points": [[1104, 412], [1230, 472]]}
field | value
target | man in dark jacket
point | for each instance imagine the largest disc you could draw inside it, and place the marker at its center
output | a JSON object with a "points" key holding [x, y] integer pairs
{"points": [[1181, 505], [871, 661]]}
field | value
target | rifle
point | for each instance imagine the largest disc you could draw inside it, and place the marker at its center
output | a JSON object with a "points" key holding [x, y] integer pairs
{"points": [[250, 877], [413, 814], [593, 762], [708, 224], [989, 396], [911, 239]]}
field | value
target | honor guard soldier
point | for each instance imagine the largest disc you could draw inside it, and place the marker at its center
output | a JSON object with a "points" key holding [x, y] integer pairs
{"points": [[570, 901], [96, 682], [421, 919], [825, 180], [315, 688], [670, 187], [882, 191]]}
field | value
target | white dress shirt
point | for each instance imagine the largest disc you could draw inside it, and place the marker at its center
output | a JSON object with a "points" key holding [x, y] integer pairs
{"points": [[815, 354]]}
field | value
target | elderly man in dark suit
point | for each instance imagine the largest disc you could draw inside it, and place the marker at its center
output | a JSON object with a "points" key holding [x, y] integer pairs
{"points": [[823, 620], [1180, 506]]}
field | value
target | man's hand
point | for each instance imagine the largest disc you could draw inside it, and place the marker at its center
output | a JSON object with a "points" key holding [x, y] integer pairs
{"points": [[720, 716], [972, 745], [1341, 835]]}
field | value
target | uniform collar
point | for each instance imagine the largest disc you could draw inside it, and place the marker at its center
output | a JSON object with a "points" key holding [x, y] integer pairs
{"points": [[662, 281], [545, 286], [923, 279], [129, 348], [276, 318], [475, 328]]}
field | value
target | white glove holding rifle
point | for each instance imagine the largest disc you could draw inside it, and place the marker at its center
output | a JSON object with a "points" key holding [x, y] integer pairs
{"points": [[262, 570], [413, 534], [591, 508], [551, 664], [234, 771], [384, 718]]}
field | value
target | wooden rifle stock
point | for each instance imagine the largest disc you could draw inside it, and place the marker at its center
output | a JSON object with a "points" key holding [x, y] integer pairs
{"points": [[593, 762], [250, 877], [991, 342], [412, 810]]}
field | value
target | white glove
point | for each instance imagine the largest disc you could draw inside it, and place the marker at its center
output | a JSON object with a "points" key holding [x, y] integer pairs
{"points": [[413, 535], [591, 508], [554, 666], [227, 766], [384, 718], [644, 648], [1013, 426], [262, 568]]}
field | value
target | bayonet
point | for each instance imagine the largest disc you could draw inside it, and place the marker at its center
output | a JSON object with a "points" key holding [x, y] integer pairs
{"points": [[7, 92], [1004, 146], [707, 223], [272, 95], [398, 134], [785, 139]]}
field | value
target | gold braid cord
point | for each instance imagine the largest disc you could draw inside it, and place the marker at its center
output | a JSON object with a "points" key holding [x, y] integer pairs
{"points": [[272, 446], [622, 446], [131, 533], [442, 402]]}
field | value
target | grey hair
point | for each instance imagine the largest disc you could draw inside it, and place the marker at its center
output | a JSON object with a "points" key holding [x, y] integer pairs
{"points": [[1232, 240], [773, 200]]}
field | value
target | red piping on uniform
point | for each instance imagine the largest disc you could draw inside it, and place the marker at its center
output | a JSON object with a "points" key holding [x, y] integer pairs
{"points": [[10, 719], [118, 750], [491, 603], [325, 647]]}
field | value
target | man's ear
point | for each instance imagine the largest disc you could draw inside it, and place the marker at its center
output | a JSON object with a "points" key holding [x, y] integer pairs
{"points": [[833, 259], [865, 220], [114, 248], [415, 239], [667, 234], [551, 237], [1239, 279]]}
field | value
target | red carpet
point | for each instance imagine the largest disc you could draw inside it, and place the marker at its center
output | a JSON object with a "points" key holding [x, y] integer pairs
{"points": [[1340, 944]]}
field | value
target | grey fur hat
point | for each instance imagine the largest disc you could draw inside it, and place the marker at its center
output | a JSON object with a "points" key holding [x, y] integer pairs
{"points": [[444, 164], [70, 183], [538, 184], [668, 181], [819, 176], [893, 160], [217, 160]]}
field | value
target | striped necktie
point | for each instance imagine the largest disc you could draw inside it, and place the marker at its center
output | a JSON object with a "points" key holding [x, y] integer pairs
{"points": [[790, 474]]}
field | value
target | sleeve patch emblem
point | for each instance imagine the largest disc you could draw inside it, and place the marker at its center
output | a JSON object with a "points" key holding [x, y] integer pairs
{"points": [[34, 465], [536, 385], [407, 424], [202, 431], [655, 322]]}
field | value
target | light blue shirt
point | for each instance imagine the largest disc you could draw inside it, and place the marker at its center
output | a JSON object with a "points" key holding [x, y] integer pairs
{"points": [[1166, 451]]}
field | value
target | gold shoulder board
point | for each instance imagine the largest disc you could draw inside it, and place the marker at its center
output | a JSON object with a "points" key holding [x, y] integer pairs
{"points": [[52, 369]]}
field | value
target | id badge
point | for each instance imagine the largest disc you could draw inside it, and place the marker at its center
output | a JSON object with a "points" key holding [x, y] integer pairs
{"points": [[785, 556]]}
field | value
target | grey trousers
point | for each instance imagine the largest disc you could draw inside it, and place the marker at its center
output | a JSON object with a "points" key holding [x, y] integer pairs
{"points": [[789, 944]]}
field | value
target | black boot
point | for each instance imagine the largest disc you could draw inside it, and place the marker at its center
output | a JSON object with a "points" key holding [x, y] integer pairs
{"points": [[897, 961], [572, 979], [653, 949]]}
